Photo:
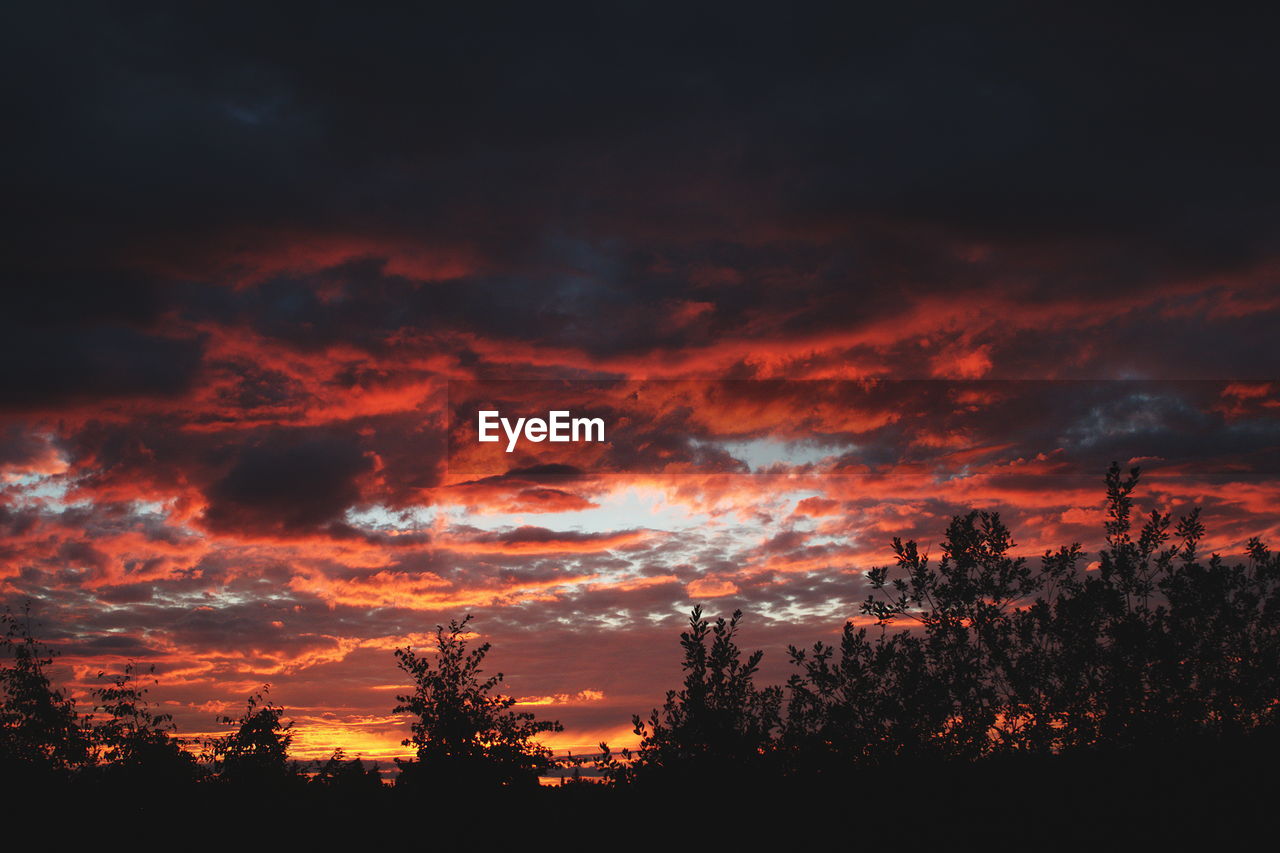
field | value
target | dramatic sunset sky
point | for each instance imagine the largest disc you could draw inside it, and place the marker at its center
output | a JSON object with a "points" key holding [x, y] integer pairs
{"points": [[846, 275]]}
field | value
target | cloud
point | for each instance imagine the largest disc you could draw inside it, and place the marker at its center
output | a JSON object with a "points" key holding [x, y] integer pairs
{"points": [[291, 482], [851, 272]]}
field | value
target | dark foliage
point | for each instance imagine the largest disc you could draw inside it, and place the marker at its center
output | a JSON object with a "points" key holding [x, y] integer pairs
{"points": [[347, 776], [718, 722], [1153, 646], [133, 743], [40, 731], [464, 733], [257, 752]]}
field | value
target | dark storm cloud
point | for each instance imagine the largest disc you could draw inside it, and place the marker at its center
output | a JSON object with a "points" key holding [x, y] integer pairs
{"points": [[98, 363], [292, 482], [88, 334], [1005, 122], [802, 173], [20, 447]]}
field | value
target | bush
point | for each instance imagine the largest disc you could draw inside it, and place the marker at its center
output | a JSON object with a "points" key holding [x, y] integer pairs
{"points": [[1154, 645], [133, 741], [40, 731], [718, 723], [257, 752], [464, 733]]}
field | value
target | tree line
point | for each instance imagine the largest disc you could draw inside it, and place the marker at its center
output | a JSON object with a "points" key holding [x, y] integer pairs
{"points": [[971, 658]]}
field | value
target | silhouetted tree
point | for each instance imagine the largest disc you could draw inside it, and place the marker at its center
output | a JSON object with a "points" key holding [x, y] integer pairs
{"points": [[718, 723], [464, 733], [968, 643], [347, 777], [1186, 648], [1154, 645], [878, 701], [257, 752], [133, 740], [39, 728]]}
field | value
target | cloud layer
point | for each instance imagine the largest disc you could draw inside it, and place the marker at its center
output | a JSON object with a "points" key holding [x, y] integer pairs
{"points": [[962, 261]]}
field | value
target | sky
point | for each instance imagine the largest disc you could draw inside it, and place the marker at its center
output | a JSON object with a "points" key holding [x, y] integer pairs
{"points": [[831, 274]]}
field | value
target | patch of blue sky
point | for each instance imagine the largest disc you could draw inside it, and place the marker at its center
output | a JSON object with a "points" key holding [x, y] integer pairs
{"points": [[49, 492], [622, 509], [761, 454], [792, 612], [1139, 412], [385, 518]]}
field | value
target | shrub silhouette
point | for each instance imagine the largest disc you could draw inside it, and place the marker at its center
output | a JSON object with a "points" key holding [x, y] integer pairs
{"points": [[40, 731], [1152, 645], [717, 723], [133, 741], [348, 777], [464, 733], [257, 752]]}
